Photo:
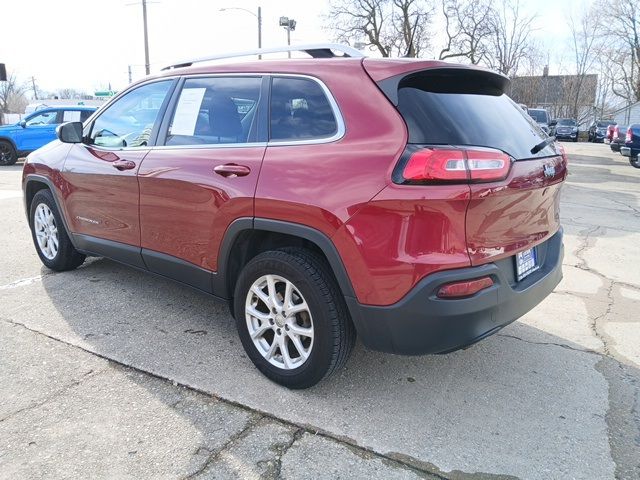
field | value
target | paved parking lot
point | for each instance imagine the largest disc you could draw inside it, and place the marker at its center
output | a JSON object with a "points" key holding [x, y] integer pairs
{"points": [[108, 372]]}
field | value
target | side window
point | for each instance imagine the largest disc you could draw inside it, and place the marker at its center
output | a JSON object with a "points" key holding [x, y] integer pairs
{"points": [[84, 114], [44, 118], [130, 120], [70, 116], [300, 110], [215, 110]]}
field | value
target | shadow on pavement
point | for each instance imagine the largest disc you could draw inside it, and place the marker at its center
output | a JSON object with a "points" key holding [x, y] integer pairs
{"points": [[523, 402]]}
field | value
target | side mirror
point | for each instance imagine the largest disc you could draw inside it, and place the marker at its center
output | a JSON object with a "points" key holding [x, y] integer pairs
{"points": [[70, 132], [23, 123], [553, 123]]}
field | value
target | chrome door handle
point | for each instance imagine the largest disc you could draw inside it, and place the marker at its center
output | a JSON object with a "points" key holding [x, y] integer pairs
{"points": [[124, 165], [232, 170]]}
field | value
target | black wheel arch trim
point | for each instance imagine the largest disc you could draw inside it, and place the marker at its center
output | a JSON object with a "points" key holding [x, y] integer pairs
{"points": [[322, 241], [54, 192]]}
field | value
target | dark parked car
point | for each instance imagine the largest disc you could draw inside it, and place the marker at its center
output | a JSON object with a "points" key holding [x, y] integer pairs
{"points": [[566, 129], [598, 130], [617, 140], [319, 197], [631, 146], [541, 117]]}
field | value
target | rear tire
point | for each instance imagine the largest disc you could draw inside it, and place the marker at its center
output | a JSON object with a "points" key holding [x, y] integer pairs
{"points": [[49, 235], [8, 154], [634, 161], [267, 323]]}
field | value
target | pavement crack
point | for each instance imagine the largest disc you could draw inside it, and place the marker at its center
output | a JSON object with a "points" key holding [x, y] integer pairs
{"points": [[636, 212], [251, 424], [561, 345], [62, 391], [282, 450], [596, 322]]}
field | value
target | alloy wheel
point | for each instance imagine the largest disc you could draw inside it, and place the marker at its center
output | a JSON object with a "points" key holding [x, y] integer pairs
{"points": [[279, 322], [46, 231]]}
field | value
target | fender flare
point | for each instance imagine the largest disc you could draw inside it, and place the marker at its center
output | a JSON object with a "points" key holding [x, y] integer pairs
{"points": [[33, 178], [313, 235]]}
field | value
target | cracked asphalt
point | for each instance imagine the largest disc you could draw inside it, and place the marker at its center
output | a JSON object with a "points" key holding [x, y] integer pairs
{"points": [[107, 372]]}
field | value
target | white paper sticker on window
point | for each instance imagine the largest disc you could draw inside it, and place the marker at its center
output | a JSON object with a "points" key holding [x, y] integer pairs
{"points": [[71, 116], [186, 116]]}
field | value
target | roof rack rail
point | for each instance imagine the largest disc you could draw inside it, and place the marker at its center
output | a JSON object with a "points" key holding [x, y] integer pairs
{"points": [[320, 50]]}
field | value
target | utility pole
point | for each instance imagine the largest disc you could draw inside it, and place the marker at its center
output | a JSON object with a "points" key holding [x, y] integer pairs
{"points": [[130, 78], [35, 92], [259, 30], [146, 37]]}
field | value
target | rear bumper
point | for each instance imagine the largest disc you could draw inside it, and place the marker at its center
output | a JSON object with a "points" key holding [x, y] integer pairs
{"points": [[422, 323], [625, 151]]}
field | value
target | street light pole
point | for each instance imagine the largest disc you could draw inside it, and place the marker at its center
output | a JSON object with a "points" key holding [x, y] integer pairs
{"points": [[258, 16], [259, 27], [146, 37]]}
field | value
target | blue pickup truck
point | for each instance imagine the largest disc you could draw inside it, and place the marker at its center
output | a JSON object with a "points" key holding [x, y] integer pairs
{"points": [[631, 147], [37, 130]]}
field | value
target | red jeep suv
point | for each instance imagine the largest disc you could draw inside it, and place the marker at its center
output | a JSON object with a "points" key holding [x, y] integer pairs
{"points": [[412, 203]]}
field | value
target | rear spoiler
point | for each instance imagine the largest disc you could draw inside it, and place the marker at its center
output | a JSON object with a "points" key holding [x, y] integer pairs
{"points": [[447, 80]]}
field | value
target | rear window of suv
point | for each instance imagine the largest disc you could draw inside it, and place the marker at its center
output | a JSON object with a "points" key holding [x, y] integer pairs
{"points": [[439, 111]]}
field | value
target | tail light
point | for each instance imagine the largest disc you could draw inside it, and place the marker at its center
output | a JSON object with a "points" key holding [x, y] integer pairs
{"points": [[456, 165], [627, 138], [616, 131]]}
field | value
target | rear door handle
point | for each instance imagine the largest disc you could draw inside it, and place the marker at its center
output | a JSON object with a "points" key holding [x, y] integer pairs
{"points": [[124, 165], [232, 170]]}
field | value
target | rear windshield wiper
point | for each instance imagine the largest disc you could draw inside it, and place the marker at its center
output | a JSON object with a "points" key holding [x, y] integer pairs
{"points": [[543, 144]]}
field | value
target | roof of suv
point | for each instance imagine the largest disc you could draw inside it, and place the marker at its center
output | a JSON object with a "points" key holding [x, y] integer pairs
{"points": [[377, 68]]}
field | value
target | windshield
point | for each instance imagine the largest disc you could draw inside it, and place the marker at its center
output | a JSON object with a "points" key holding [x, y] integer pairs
{"points": [[539, 116], [459, 118], [605, 124], [567, 122]]}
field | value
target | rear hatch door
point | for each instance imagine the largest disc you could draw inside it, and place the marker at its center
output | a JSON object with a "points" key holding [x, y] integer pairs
{"points": [[468, 107]]}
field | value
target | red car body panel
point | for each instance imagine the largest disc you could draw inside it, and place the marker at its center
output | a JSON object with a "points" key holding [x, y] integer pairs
{"points": [[185, 207], [101, 200], [506, 217], [296, 179], [402, 235]]}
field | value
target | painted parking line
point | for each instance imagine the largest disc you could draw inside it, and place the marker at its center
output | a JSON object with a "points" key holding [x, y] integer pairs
{"points": [[21, 283]]}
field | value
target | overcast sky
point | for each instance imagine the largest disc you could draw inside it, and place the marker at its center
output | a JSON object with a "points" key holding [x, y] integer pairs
{"points": [[87, 44]]}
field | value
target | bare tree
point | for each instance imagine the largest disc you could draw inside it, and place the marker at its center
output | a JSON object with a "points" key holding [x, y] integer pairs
{"points": [[12, 95], [390, 26], [71, 93], [510, 41], [410, 27], [467, 28], [584, 35], [621, 27]]}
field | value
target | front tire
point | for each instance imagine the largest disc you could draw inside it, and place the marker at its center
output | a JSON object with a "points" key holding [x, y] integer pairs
{"points": [[8, 154], [49, 235], [291, 318]]}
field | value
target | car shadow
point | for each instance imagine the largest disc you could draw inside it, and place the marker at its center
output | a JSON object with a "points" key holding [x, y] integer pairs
{"points": [[521, 391]]}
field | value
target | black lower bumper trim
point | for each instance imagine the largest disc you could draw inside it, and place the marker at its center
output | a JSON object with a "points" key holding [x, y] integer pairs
{"points": [[422, 323]]}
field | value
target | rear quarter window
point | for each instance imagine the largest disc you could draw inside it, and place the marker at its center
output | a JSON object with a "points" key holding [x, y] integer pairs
{"points": [[300, 110]]}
